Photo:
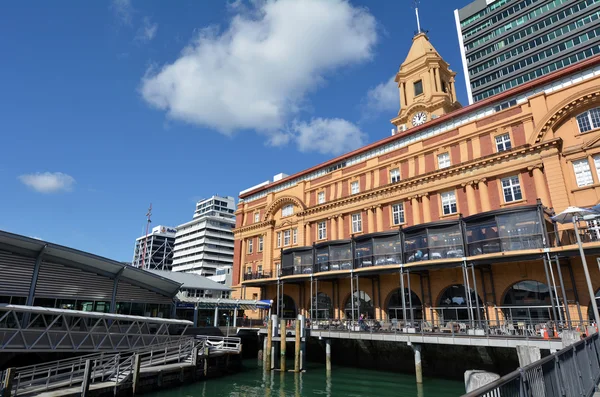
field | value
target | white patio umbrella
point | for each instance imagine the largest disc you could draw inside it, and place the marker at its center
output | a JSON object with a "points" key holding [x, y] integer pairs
{"points": [[569, 213], [573, 214]]}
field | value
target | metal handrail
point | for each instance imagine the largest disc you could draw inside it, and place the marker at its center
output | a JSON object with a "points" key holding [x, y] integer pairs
{"points": [[574, 370]]}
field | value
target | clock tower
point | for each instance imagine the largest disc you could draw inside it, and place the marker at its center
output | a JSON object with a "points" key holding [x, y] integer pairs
{"points": [[426, 85]]}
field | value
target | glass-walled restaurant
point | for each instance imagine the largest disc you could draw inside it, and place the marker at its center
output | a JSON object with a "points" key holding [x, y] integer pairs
{"points": [[513, 229]]}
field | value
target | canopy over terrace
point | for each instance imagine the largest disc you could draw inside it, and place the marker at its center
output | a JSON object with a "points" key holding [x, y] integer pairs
{"points": [[217, 304]]}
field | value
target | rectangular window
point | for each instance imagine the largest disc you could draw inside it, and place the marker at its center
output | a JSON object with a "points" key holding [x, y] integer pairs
{"points": [[260, 243], [286, 237], [398, 213], [356, 223], [449, 203], [321, 197], [248, 270], [583, 174], [322, 230], [259, 269], [597, 165], [250, 245], [418, 87], [256, 217], [294, 236], [503, 142], [395, 175], [512, 189], [354, 187], [278, 239], [443, 160], [589, 120]]}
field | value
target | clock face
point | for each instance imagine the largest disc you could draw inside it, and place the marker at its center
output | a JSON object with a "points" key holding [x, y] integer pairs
{"points": [[419, 118]]}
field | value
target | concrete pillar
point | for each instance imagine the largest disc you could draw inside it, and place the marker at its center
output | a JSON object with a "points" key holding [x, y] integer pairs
{"points": [[474, 379], [528, 354], [235, 317], [264, 352], [371, 223], [415, 210], [471, 200], [282, 345], [540, 185], [426, 210], [379, 210], [328, 355], [216, 322], [418, 367], [484, 197]]}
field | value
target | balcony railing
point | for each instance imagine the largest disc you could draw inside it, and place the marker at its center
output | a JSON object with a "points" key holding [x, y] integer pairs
{"points": [[257, 275]]}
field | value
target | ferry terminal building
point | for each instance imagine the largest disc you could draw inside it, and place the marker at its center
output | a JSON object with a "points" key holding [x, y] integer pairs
{"points": [[446, 220]]}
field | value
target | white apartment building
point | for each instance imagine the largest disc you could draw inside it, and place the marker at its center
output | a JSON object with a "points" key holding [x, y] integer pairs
{"points": [[159, 249], [205, 244]]}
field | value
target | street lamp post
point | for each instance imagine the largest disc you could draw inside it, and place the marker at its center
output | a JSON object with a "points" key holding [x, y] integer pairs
{"points": [[586, 272]]}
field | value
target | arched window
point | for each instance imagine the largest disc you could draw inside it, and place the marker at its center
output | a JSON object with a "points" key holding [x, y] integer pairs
{"points": [[453, 304], [589, 120], [288, 308], [527, 301], [394, 309], [322, 307], [362, 305]]}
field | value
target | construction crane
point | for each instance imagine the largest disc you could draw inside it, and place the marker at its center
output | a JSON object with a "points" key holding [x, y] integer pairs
{"points": [[148, 216]]}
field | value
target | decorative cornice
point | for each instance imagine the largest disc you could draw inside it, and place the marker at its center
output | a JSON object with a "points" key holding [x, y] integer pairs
{"points": [[414, 183], [254, 226], [535, 166]]}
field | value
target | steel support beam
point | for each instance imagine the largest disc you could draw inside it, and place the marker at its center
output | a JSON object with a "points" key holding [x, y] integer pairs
{"points": [[34, 277]]}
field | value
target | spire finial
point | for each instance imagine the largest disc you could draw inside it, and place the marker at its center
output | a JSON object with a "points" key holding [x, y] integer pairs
{"points": [[416, 4]]}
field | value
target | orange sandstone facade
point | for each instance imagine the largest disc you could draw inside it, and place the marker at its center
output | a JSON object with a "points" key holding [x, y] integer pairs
{"points": [[457, 200]]}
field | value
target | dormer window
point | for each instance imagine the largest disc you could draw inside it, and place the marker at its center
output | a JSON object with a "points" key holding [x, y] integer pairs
{"points": [[287, 210], [418, 87], [589, 120]]}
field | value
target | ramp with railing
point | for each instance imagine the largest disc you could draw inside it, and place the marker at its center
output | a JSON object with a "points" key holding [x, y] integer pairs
{"points": [[112, 370], [572, 371], [40, 329]]}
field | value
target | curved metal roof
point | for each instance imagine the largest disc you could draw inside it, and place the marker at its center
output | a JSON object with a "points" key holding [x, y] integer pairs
{"points": [[60, 254]]}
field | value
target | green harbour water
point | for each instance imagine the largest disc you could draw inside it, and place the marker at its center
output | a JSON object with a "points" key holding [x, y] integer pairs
{"points": [[343, 382]]}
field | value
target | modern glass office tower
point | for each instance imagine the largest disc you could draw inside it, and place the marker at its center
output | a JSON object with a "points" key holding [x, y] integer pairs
{"points": [[506, 43]]}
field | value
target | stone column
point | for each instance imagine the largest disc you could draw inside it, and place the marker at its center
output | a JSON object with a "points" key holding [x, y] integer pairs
{"points": [[307, 238], [432, 79], [540, 183], [484, 197], [379, 210], [415, 210], [426, 207], [243, 259], [268, 251], [340, 223], [471, 200], [438, 78], [333, 231], [401, 92], [370, 221]]}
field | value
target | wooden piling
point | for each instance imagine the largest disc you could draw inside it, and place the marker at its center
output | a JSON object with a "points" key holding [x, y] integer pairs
{"points": [[328, 355], [297, 343], [269, 344], [136, 374], [8, 382], [206, 354], [282, 344], [418, 367]]}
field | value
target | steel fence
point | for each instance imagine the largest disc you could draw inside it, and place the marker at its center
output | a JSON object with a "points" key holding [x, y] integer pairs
{"points": [[572, 371]]}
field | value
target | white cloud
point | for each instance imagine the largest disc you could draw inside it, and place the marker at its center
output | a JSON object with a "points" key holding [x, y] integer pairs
{"points": [[147, 31], [256, 73], [325, 136], [123, 10], [48, 182], [383, 98]]}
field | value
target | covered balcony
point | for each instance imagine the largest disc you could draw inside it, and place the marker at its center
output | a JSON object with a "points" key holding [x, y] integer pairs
{"points": [[297, 261], [378, 249], [436, 240]]}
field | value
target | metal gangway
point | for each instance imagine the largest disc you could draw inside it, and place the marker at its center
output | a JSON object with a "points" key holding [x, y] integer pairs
{"points": [[112, 370], [572, 371], [41, 329]]}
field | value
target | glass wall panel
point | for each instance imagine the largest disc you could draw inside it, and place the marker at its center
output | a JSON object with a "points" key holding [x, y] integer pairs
{"points": [[323, 259], [521, 230], [387, 250], [303, 262], [528, 301], [445, 242], [364, 253], [340, 257], [322, 307], [415, 247], [453, 304], [394, 309], [482, 237]]}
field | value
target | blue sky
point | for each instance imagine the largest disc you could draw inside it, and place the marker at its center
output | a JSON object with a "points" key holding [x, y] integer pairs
{"points": [[110, 106]]}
